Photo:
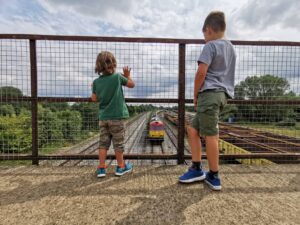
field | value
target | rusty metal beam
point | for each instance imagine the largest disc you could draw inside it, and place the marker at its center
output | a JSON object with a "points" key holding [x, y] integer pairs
{"points": [[34, 102], [139, 39], [181, 104], [286, 156], [150, 100]]}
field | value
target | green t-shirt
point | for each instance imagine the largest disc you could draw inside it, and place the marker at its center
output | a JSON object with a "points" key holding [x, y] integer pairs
{"points": [[109, 92]]}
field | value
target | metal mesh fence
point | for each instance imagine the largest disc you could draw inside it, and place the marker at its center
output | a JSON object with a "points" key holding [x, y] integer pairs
{"points": [[66, 68], [263, 117], [15, 117], [268, 78]]}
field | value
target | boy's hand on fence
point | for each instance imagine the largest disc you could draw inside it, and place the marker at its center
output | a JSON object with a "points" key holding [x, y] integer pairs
{"points": [[126, 71]]}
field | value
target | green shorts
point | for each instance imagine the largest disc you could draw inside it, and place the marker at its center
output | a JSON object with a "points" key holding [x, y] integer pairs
{"points": [[209, 105], [112, 130]]}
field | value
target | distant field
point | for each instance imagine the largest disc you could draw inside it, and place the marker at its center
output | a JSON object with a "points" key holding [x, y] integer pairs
{"points": [[288, 131]]}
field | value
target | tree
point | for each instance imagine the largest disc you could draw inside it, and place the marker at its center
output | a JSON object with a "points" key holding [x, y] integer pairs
{"points": [[266, 87], [71, 124], [50, 128], [12, 92], [15, 133], [8, 91], [7, 110], [56, 106], [89, 113]]}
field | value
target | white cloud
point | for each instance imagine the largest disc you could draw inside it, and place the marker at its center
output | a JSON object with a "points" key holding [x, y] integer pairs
{"points": [[267, 20]]}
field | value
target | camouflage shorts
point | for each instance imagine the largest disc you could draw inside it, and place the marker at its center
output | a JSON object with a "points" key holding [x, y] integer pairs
{"points": [[112, 130]]}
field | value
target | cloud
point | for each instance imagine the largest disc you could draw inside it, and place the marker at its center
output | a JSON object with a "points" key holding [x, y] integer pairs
{"points": [[120, 14], [267, 20], [264, 13]]}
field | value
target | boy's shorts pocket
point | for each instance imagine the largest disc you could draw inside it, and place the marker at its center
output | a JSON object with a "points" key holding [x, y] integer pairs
{"points": [[208, 109], [206, 120]]}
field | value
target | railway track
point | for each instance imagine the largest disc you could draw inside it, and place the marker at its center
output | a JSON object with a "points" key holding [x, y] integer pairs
{"points": [[94, 144], [255, 141], [252, 140]]}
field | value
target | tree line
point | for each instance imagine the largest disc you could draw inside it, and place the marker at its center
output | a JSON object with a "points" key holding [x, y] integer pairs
{"points": [[57, 122], [66, 123], [266, 87]]}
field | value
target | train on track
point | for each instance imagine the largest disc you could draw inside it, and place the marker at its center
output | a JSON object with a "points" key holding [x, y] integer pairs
{"points": [[156, 129]]}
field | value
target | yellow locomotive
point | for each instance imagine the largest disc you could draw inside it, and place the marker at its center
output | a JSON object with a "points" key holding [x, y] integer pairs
{"points": [[156, 129]]}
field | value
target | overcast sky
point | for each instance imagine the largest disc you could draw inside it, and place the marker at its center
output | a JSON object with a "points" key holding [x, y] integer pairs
{"points": [[246, 19], [66, 68]]}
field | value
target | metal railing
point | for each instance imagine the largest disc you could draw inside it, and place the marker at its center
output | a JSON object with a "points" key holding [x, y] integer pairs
{"points": [[180, 99]]}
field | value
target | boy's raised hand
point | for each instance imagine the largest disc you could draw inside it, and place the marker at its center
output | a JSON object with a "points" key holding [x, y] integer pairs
{"points": [[126, 71]]}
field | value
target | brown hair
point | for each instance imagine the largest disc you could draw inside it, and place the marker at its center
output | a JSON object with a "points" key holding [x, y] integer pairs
{"points": [[216, 21], [105, 63]]}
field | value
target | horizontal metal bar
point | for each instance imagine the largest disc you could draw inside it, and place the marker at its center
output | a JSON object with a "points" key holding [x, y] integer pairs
{"points": [[258, 102], [139, 39], [71, 99], [149, 100], [286, 156]]}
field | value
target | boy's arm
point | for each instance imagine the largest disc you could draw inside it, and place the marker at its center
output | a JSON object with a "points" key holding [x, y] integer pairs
{"points": [[94, 97], [130, 82], [199, 80]]}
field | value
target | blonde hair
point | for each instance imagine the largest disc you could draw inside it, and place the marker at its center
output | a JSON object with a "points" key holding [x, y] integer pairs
{"points": [[216, 21], [105, 63]]}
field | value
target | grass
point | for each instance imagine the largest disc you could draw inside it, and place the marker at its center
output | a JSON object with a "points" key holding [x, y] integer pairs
{"points": [[48, 149], [56, 146], [292, 131], [15, 162]]}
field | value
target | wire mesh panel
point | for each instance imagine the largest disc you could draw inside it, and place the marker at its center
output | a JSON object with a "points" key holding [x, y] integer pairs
{"points": [[15, 68], [262, 118], [15, 114], [66, 68], [268, 76]]}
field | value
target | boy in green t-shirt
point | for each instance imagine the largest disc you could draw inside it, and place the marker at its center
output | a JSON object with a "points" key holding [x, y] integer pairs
{"points": [[107, 90]]}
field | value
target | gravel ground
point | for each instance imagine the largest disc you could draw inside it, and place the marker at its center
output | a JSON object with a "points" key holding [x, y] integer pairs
{"points": [[150, 195]]}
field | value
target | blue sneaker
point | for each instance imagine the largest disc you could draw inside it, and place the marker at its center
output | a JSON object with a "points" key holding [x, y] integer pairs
{"points": [[192, 175], [121, 171], [213, 182], [101, 172]]}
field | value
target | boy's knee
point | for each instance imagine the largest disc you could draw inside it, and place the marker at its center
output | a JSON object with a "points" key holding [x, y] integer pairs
{"points": [[119, 150], [192, 132]]}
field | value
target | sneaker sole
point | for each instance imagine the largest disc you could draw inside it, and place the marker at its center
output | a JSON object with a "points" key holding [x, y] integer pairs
{"points": [[193, 179], [121, 174], [215, 188], [101, 175]]}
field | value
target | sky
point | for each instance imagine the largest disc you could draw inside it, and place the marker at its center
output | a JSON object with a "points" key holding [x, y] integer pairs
{"points": [[246, 19], [66, 68]]}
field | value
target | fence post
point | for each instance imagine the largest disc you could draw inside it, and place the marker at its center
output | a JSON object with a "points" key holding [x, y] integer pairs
{"points": [[34, 102], [181, 104]]}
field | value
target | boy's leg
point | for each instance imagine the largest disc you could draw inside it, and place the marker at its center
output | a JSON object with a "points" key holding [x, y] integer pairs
{"points": [[102, 157], [194, 173], [212, 152], [117, 129], [104, 144], [122, 167], [212, 105], [119, 158], [195, 144]]}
